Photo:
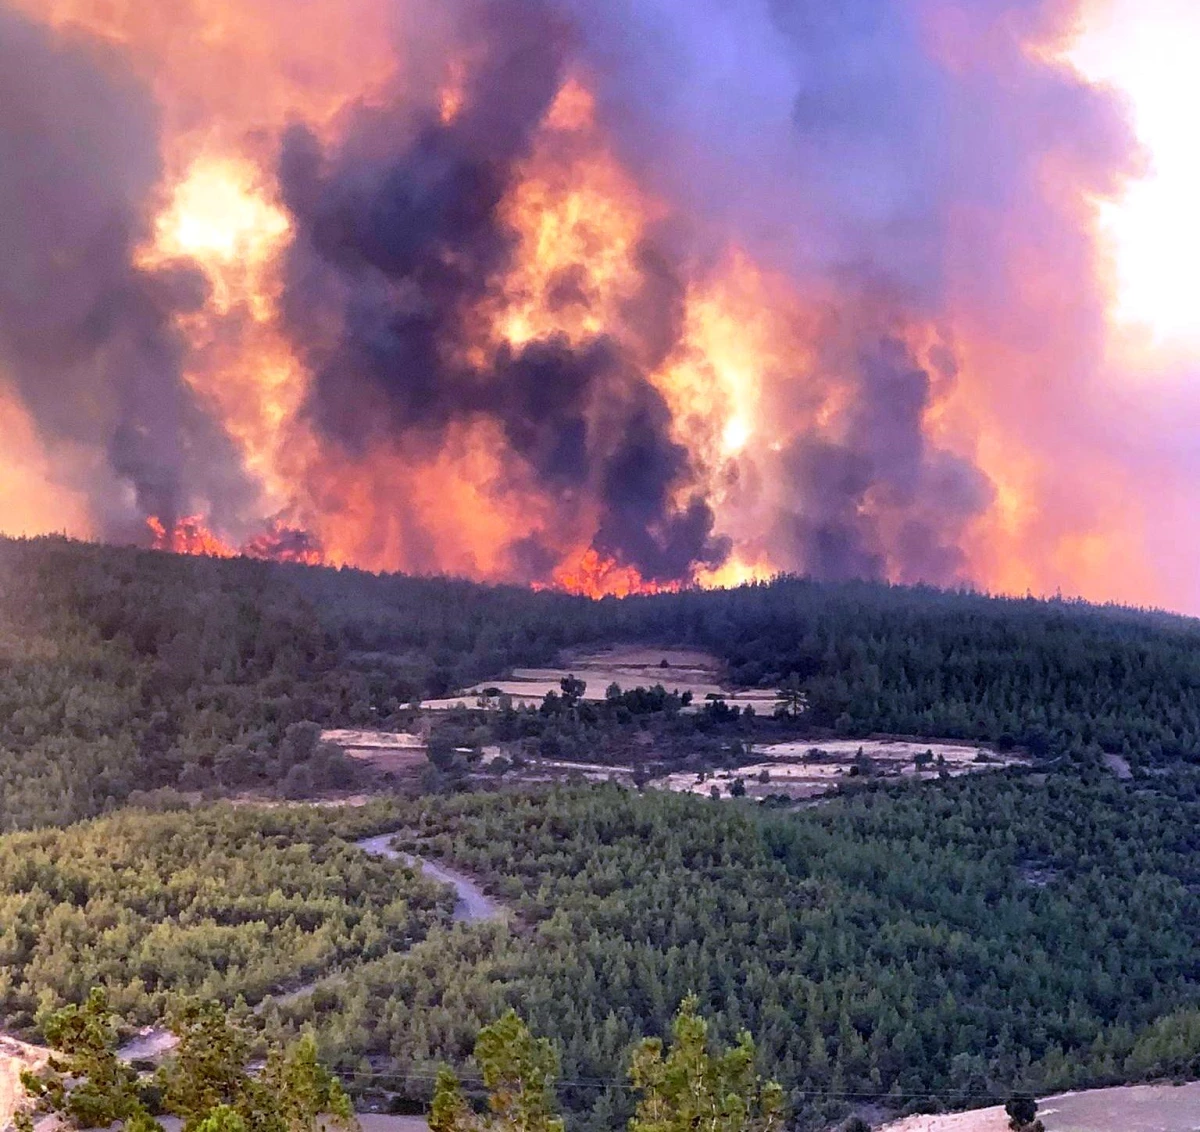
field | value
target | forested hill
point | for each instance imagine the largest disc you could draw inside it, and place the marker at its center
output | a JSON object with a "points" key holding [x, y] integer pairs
{"points": [[127, 670]]}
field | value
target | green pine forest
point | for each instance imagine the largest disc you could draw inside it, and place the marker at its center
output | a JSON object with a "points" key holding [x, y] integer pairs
{"points": [[926, 945]]}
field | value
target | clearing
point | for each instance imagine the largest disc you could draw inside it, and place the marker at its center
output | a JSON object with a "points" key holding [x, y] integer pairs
{"points": [[810, 768], [1127, 1108], [631, 666], [394, 751]]}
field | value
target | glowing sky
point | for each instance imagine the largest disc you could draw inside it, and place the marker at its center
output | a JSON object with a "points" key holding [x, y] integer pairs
{"points": [[1147, 49]]}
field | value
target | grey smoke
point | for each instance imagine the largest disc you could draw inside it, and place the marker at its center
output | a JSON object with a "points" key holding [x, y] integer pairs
{"points": [[85, 335], [396, 250]]}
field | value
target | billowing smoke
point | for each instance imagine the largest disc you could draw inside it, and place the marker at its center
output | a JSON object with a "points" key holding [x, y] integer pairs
{"points": [[86, 335], [605, 295], [400, 243], [882, 494]]}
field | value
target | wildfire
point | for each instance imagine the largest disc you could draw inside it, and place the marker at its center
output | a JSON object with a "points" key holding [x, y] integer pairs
{"points": [[519, 338], [595, 576], [279, 543], [187, 536]]}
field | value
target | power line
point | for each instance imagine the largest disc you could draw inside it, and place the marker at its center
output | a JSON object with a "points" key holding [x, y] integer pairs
{"points": [[623, 1086]]}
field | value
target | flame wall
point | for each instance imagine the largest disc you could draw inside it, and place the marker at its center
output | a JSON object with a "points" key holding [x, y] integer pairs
{"points": [[613, 297]]}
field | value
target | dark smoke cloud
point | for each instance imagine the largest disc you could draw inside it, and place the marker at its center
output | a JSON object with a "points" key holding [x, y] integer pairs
{"points": [[882, 501], [885, 152], [868, 149], [84, 334], [400, 243]]}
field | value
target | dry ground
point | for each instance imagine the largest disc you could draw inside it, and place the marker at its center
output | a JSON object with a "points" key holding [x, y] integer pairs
{"points": [[14, 1056], [810, 768], [631, 666], [1131, 1108], [384, 750]]}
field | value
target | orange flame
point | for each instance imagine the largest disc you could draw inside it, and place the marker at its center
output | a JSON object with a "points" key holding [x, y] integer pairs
{"points": [[187, 536], [190, 535], [595, 576], [741, 383]]}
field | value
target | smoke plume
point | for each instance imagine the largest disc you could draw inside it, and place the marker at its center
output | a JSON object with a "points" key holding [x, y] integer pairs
{"points": [[86, 334], [608, 296]]}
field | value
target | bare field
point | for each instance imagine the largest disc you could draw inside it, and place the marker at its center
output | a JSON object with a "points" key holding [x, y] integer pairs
{"points": [[1129, 1108], [809, 768], [395, 751], [631, 666], [882, 750]]}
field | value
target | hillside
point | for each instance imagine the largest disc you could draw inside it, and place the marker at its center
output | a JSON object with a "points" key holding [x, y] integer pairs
{"points": [[919, 939], [127, 670], [929, 946]]}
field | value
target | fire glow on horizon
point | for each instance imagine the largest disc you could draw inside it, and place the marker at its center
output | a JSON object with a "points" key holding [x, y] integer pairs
{"points": [[455, 306]]}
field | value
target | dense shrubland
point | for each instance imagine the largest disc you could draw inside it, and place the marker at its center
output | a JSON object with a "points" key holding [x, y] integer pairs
{"points": [[957, 939], [952, 941], [124, 671], [949, 942], [220, 903]]}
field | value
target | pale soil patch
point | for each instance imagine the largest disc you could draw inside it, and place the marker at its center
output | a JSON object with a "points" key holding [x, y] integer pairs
{"points": [[14, 1056], [807, 768], [385, 1122], [555, 770], [1119, 766], [885, 750], [1128, 1108], [385, 750], [352, 739], [255, 801], [631, 666], [978, 1120], [148, 1044]]}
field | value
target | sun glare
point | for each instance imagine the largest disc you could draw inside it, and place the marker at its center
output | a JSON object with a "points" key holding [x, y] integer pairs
{"points": [[1146, 48]]}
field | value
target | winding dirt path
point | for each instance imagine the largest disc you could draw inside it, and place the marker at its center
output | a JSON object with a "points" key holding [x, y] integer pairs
{"points": [[474, 905]]}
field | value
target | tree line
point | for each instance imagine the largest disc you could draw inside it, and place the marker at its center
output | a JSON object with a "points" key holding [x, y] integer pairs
{"points": [[125, 671]]}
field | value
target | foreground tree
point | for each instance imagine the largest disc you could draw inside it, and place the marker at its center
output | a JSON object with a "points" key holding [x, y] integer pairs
{"points": [[518, 1071], [683, 1089], [686, 1088], [1022, 1114], [208, 1083], [84, 1081]]}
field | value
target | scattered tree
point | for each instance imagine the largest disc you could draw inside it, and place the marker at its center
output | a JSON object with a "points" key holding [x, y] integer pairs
{"points": [[685, 1087], [1021, 1110], [518, 1071], [208, 1083], [790, 698]]}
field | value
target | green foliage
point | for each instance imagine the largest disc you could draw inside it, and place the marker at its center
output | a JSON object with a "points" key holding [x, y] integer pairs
{"points": [[959, 938], [300, 1094], [208, 1078], [208, 1083], [687, 1087], [126, 673], [790, 698], [971, 936], [216, 902], [84, 1080], [966, 937], [518, 1073]]}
